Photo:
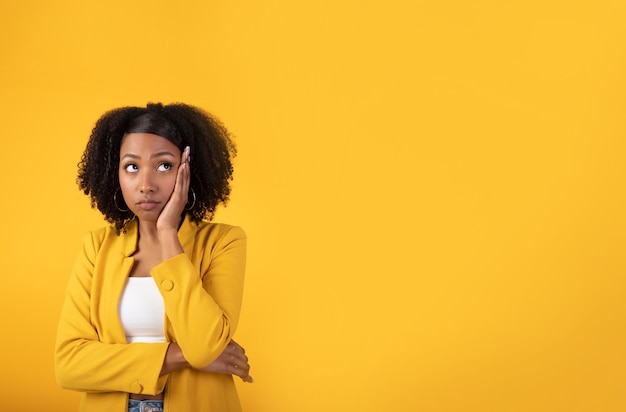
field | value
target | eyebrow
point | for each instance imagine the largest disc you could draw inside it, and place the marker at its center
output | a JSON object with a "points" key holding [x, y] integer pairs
{"points": [[158, 154]]}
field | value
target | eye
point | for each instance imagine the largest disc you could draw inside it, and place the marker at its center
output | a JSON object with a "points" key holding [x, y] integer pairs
{"points": [[131, 167], [164, 167]]}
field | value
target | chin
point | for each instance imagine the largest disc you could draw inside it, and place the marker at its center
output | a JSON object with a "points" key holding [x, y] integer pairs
{"points": [[150, 216]]}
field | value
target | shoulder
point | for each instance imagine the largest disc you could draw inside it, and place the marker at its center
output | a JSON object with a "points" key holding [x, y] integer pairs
{"points": [[219, 229], [213, 236], [102, 233], [218, 232], [95, 238], [93, 242], [220, 242]]}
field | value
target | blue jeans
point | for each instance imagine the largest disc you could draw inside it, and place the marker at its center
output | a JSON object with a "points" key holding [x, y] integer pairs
{"points": [[144, 406]]}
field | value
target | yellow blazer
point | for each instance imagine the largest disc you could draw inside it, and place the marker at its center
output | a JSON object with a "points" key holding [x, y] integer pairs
{"points": [[202, 291]]}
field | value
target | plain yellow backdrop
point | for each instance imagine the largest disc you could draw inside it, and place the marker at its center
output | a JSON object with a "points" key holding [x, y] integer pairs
{"points": [[433, 190]]}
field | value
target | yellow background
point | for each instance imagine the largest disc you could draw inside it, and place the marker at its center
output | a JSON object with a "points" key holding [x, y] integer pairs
{"points": [[433, 190]]}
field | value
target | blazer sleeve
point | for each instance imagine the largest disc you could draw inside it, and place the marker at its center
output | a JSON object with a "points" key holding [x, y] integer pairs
{"points": [[203, 301], [82, 361]]}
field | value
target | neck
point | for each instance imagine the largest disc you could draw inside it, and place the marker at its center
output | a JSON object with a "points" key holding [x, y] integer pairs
{"points": [[148, 231], [164, 242]]}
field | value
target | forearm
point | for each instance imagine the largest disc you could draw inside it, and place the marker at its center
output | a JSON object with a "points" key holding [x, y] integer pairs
{"points": [[120, 367], [174, 360], [170, 245], [203, 297], [201, 326]]}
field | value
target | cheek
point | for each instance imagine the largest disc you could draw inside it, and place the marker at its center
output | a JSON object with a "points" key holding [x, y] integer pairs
{"points": [[125, 185], [171, 183], [125, 194]]}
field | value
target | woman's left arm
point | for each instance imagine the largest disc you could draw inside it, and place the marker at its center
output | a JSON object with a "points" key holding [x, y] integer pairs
{"points": [[203, 298]]}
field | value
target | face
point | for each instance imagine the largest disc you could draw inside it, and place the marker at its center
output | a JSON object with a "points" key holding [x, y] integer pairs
{"points": [[147, 172]]}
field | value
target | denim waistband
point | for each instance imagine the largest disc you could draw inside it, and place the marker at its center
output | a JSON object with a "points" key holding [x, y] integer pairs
{"points": [[144, 406]]}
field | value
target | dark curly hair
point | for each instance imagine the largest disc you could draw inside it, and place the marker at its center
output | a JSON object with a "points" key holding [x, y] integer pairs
{"points": [[212, 151]]}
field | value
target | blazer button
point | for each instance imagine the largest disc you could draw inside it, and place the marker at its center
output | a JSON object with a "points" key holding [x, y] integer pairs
{"points": [[136, 387], [167, 285]]}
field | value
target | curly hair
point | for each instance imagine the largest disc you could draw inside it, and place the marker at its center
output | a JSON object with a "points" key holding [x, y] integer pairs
{"points": [[212, 150]]}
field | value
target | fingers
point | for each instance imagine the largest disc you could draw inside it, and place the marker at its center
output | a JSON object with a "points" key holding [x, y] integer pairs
{"points": [[232, 361], [180, 196], [239, 361], [184, 174], [247, 379], [244, 375], [236, 365], [236, 356], [236, 345], [170, 215]]}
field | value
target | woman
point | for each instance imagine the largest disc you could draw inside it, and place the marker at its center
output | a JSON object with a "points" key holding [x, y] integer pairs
{"points": [[154, 298]]}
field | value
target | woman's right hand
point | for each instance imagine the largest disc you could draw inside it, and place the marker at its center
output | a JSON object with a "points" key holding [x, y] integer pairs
{"points": [[232, 361]]}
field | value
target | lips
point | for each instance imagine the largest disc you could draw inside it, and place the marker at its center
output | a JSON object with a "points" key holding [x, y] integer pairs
{"points": [[147, 204]]}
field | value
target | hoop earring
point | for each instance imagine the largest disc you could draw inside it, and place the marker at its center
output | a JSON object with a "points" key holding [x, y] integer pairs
{"points": [[194, 200], [116, 205]]}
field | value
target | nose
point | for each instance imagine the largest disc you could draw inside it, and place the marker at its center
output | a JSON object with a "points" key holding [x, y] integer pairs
{"points": [[146, 182]]}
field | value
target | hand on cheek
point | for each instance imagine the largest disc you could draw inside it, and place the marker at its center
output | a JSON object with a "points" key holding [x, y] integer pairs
{"points": [[170, 215]]}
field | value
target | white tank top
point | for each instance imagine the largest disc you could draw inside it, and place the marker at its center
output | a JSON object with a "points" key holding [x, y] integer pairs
{"points": [[142, 311]]}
